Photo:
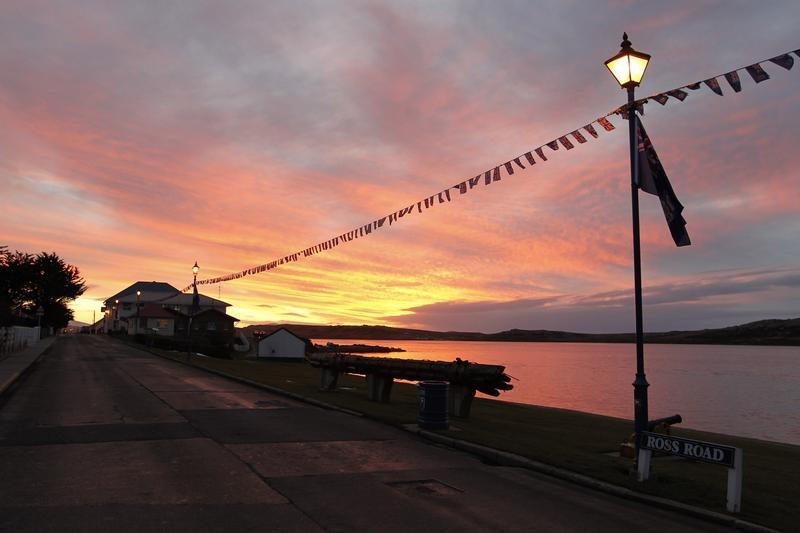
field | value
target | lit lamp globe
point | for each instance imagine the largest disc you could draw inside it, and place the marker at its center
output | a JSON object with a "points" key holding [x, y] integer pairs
{"points": [[628, 65]]}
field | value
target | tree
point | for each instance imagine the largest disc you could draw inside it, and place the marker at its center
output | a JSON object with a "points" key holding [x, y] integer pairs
{"points": [[32, 282]]}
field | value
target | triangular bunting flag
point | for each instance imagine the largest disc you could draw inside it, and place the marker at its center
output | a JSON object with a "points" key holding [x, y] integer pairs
{"points": [[757, 73], [566, 142], [579, 136], [591, 130], [734, 81], [713, 84], [553, 145], [677, 93], [540, 153], [693, 86], [786, 61], [509, 167], [661, 98], [529, 157]]}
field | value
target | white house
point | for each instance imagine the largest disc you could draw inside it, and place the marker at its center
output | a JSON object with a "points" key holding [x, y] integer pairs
{"points": [[282, 344]]}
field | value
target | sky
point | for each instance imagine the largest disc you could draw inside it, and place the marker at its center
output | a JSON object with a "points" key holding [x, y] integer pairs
{"points": [[140, 137]]}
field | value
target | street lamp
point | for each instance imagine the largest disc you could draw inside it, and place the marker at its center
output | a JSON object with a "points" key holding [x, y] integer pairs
{"points": [[138, 319], [628, 67], [195, 270]]}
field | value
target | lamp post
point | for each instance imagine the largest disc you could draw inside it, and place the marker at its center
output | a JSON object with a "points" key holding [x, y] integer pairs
{"points": [[628, 68], [138, 319], [195, 270]]}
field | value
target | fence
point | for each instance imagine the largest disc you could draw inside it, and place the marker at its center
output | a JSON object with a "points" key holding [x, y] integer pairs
{"points": [[15, 338]]}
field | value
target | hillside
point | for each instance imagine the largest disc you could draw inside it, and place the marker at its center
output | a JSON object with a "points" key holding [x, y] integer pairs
{"points": [[762, 332]]}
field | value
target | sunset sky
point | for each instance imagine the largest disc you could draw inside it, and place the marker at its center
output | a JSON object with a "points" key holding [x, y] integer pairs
{"points": [[139, 137]]}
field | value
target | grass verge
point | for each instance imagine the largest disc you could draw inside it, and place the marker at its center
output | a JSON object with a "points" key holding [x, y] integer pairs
{"points": [[572, 440]]}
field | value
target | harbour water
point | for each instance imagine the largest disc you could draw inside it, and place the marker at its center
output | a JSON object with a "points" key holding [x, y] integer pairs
{"points": [[750, 391]]}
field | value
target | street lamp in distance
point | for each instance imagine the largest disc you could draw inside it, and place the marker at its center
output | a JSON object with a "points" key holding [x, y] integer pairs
{"points": [[195, 270], [628, 68]]}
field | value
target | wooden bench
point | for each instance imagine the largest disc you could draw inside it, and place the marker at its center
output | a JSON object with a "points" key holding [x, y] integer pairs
{"points": [[464, 378]]}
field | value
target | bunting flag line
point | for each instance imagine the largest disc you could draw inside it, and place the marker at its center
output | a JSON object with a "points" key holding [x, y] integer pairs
{"points": [[658, 181], [755, 70], [487, 177]]}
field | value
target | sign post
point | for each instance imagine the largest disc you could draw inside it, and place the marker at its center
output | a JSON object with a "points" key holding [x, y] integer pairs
{"points": [[707, 452]]}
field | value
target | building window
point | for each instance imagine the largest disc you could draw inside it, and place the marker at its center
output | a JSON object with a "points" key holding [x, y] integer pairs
{"points": [[211, 326], [126, 307]]}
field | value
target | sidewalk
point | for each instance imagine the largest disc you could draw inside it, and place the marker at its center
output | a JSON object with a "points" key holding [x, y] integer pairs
{"points": [[14, 365]]}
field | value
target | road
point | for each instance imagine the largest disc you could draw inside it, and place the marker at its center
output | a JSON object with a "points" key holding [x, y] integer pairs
{"points": [[105, 437]]}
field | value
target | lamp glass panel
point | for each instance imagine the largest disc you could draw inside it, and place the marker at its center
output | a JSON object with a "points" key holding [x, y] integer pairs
{"points": [[638, 66], [620, 68]]}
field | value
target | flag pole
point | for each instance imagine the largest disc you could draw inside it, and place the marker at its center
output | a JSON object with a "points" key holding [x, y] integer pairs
{"points": [[640, 415]]}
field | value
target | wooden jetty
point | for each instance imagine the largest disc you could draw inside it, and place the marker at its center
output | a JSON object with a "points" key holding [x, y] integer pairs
{"points": [[464, 377]]}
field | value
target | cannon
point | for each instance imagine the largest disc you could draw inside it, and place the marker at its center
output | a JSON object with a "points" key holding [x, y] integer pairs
{"points": [[664, 423], [659, 425]]}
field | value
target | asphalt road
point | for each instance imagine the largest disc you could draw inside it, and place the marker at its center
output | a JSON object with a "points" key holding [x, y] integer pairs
{"points": [[103, 437]]}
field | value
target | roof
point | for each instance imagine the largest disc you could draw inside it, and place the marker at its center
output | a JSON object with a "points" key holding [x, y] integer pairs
{"points": [[287, 331], [162, 293], [151, 288], [218, 312], [186, 299]]}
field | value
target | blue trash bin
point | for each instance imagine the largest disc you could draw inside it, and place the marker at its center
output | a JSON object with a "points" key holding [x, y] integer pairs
{"points": [[433, 405]]}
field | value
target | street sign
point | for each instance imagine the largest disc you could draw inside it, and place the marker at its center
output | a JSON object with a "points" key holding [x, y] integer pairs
{"points": [[707, 452]]}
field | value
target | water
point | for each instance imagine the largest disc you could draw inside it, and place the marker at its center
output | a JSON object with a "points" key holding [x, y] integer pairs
{"points": [[750, 391]]}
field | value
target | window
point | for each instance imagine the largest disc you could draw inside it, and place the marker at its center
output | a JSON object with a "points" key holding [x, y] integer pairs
{"points": [[211, 326], [126, 307]]}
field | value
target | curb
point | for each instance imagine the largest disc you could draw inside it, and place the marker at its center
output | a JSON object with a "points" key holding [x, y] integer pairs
{"points": [[503, 458], [509, 459]]}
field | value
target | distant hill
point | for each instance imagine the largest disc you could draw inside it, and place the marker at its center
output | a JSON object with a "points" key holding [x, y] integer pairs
{"points": [[763, 332]]}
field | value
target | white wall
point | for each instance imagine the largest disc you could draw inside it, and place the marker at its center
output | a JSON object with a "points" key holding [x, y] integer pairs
{"points": [[281, 344]]}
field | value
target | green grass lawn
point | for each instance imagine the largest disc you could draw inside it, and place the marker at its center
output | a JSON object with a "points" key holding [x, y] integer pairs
{"points": [[580, 442]]}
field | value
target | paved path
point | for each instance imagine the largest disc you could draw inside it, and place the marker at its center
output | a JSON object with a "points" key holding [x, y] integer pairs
{"points": [[102, 437]]}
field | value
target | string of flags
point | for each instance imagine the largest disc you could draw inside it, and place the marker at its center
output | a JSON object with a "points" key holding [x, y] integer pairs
{"points": [[733, 79], [516, 164]]}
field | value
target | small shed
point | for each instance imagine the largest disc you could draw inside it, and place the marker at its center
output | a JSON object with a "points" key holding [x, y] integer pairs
{"points": [[282, 344]]}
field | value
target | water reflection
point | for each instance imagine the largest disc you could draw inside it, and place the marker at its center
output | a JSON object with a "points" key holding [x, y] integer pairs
{"points": [[750, 391]]}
